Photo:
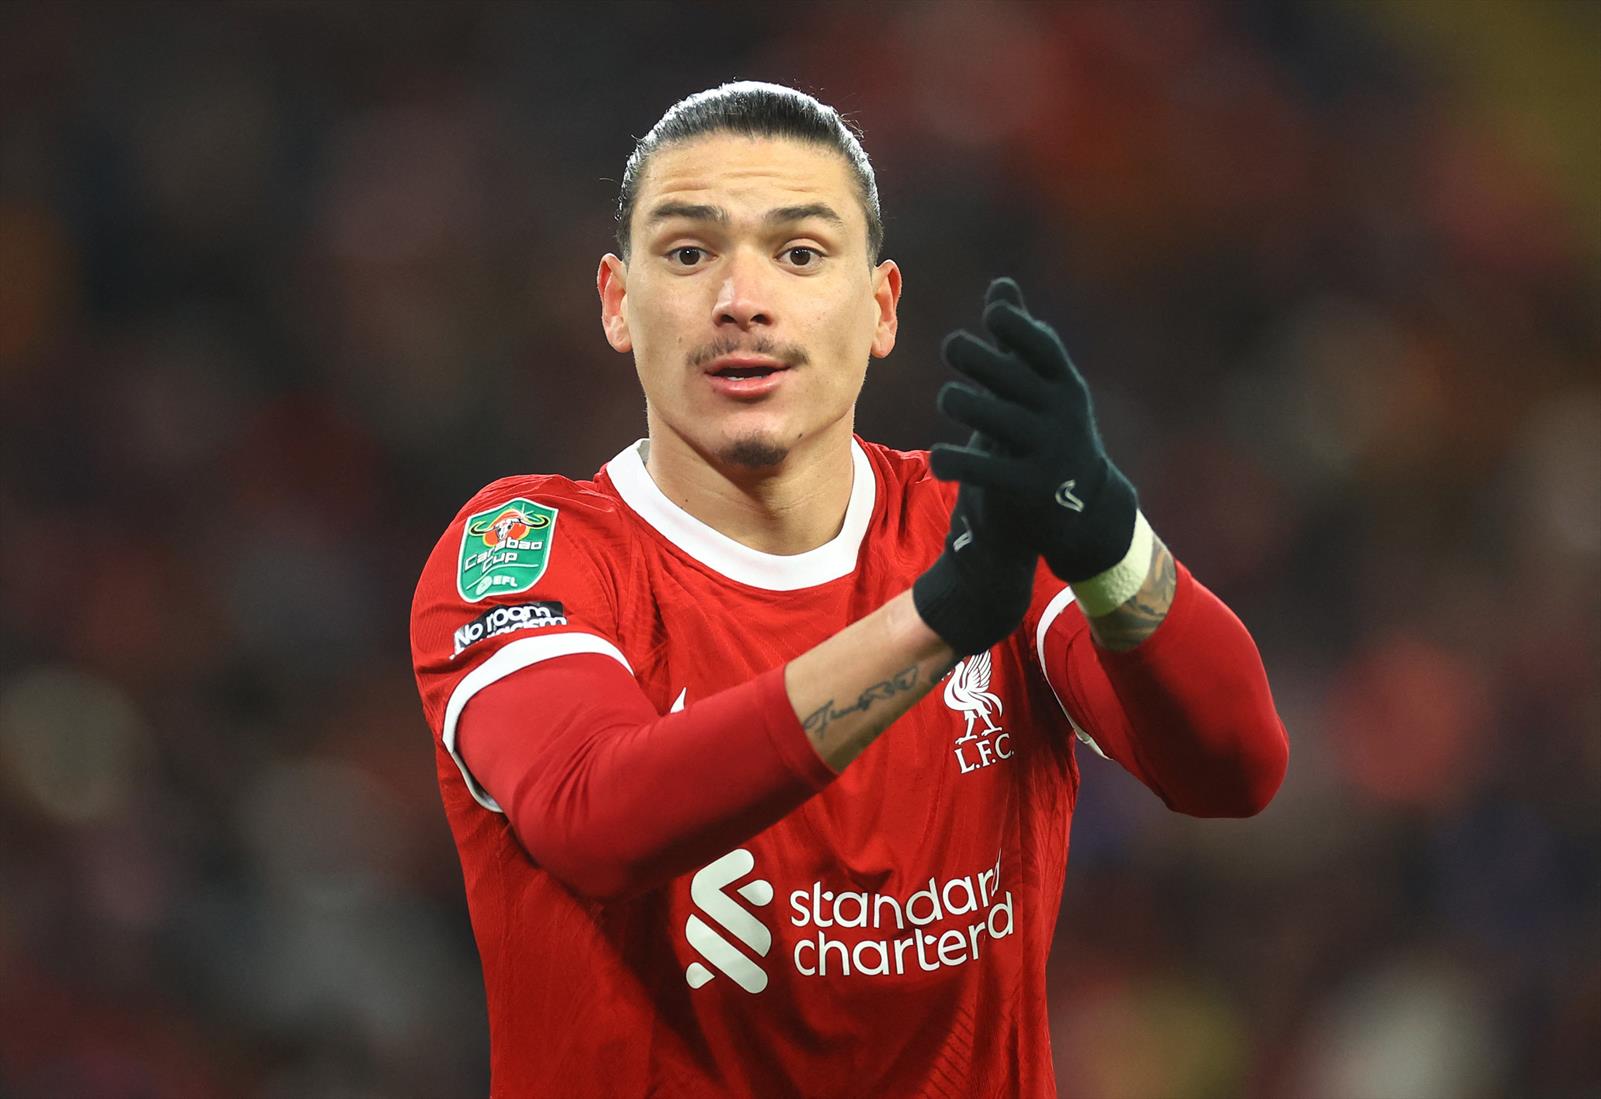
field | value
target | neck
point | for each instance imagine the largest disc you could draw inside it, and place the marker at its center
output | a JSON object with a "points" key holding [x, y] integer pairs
{"points": [[786, 509]]}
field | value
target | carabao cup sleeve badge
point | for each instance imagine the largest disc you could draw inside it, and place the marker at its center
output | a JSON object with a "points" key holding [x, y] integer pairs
{"points": [[504, 550]]}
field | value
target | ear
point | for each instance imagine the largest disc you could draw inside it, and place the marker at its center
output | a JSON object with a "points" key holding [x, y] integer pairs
{"points": [[886, 297], [612, 283]]}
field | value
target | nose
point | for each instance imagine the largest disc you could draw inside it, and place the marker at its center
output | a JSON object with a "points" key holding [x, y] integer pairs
{"points": [[742, 299]]}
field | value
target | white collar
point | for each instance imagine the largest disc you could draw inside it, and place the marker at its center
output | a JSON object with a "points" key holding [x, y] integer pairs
{"points": [[772, 571]]}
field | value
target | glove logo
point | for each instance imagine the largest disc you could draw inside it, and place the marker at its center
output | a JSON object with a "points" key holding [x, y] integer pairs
{"points": [[963, 539], [1065, 497], [708, 889], [967, 692]]}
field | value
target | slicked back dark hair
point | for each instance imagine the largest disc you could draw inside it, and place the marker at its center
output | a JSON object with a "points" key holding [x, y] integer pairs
{"points": [[754, 109]]}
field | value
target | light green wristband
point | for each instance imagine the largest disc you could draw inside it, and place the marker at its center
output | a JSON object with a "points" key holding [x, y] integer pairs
{"points": [[1105, 592]]}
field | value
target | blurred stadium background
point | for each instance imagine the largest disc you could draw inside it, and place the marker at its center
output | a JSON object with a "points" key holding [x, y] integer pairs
{"points": [[281, 284]]}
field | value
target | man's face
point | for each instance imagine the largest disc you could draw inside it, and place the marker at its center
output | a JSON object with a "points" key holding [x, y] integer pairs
{"points": [[748, 299]]}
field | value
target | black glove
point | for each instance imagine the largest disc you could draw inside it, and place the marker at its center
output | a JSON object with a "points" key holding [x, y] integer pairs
{"points": [[976, 591], [1047, 473]]}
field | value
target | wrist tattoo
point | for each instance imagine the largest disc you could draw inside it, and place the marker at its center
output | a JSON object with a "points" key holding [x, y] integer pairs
{"points": [[1138, 618]]}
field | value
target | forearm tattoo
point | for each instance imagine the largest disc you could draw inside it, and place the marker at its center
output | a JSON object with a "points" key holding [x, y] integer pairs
{"points": [[899, 683], [1138, 618]]}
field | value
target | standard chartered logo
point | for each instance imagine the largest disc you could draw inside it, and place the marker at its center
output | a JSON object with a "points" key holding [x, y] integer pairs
{"points": [[708, 889], [862, 934], [846, 933]]}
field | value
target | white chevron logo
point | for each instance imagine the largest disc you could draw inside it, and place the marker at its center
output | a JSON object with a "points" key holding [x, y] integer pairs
{"points": [[708, 890], [1067, 498]]}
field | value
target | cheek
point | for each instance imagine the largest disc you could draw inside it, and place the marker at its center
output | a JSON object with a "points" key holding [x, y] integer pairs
{"points": [[661, 341], [846, 327]]}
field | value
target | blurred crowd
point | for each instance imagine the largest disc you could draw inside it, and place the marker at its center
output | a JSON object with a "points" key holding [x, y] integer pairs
{"points": [[281, 285]]}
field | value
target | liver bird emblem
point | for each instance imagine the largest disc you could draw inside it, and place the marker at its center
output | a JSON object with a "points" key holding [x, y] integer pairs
{"points": [[967, 692]]}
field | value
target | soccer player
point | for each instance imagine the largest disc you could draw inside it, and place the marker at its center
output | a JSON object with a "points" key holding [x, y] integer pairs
{"points": [[758, 747]]}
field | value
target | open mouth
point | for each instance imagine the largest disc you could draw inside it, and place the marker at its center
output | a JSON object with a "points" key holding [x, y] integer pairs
{"points": [[746, 371]]}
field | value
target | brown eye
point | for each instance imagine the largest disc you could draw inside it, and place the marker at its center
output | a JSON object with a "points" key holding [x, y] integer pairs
{"points": [[803, 257], [687, 256]]}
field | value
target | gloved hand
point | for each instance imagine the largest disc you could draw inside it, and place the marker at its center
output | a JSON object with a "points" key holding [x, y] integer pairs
{"points": [[976, 591], [1047, 474]]}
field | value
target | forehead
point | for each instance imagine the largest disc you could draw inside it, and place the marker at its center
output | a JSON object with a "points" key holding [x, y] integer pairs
{"points": [[754, 173]]}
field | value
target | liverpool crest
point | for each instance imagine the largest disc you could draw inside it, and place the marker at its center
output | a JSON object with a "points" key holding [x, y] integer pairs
{"points": [[967, 691]]}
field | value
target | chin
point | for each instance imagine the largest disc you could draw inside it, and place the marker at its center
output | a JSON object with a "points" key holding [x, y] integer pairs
{"points": [[754, 451]]}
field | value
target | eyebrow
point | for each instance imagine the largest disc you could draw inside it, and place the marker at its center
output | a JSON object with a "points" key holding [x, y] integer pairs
{"points": [[688, 211], [781, 215], [822, 211]]}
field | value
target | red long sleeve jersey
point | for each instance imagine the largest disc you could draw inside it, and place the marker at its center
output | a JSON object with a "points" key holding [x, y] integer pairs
{"points": [[886, 938]]}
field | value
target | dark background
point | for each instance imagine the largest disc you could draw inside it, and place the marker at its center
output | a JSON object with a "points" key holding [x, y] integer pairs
{"points": [[281, 285]]}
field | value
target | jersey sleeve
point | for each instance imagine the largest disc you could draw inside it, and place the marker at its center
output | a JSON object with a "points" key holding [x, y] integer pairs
{"points": [[1050, 626], [1188, 712], [523, 574]]}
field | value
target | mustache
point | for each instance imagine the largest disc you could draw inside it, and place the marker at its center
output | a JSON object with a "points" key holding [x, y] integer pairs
{"points": [[790, 354]]}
